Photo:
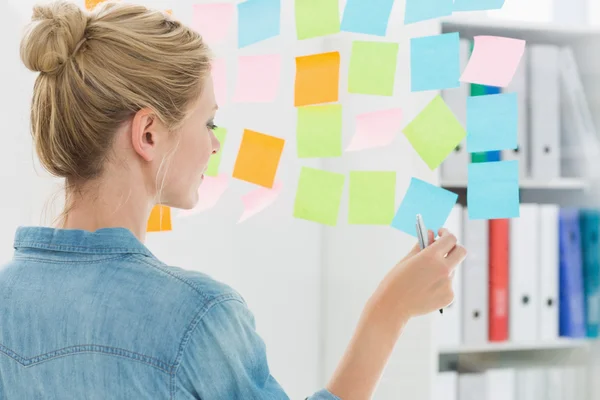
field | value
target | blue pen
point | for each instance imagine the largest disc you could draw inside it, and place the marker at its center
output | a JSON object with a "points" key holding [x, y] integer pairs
{"points": [[423, 237]]}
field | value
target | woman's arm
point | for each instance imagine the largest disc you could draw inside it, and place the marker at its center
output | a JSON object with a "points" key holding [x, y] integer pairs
{"points": [[419, 284]]}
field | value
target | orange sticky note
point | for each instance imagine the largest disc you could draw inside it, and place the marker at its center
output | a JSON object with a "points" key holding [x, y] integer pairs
{"points": [[317, 79], [160, 219], [258, 158], [90, 4]]}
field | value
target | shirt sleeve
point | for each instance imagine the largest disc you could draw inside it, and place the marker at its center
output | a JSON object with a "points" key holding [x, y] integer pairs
{"points": [[225, 358]]}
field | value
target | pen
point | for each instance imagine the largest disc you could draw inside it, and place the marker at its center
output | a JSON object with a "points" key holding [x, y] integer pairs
{"points": [[423, 237]]}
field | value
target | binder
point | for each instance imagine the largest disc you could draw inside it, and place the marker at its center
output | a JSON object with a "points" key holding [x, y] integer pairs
{"points": [[589, 221], [529, 383], [548, 302], [471, 386], [448, 326], [524, 274], [571, 291], [500, 384], [574, 383], [545, 111], [475, 282], [454, 166], [498, 294], [446, 386], [519, 85]]}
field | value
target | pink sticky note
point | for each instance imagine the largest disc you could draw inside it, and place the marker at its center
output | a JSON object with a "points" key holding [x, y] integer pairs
{"points": [[211, 190], [494, 61], [213, 21], [259, 199], [376, 129], [258, 78], [219, 76]]}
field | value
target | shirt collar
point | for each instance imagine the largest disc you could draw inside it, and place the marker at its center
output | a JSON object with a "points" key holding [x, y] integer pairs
{"points": [[115, 240]]}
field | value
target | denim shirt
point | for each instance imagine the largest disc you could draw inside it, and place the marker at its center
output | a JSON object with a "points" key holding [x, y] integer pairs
{"points": [[95, 315]]}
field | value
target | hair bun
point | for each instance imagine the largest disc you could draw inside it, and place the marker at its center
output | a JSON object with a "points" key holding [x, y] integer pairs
{"points": [[52, 36]]}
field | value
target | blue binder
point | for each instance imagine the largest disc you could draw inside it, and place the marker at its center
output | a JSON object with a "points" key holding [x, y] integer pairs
{"points": [[571, 292], [495, 155], [589, 221]]}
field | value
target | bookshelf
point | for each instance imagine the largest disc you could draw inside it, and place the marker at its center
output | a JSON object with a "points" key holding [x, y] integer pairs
{"points": [[556, 184], [504, 347]]}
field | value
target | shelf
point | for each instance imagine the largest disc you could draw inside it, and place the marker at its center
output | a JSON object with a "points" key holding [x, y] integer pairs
{"points": [[530, 31], [564, 183], [508, 346]]}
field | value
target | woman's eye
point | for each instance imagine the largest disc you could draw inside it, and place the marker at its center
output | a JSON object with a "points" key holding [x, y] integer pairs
{"points": [[211, 125]]}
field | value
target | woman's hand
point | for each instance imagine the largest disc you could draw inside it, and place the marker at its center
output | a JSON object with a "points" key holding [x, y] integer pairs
{"points": [[422, 282]]}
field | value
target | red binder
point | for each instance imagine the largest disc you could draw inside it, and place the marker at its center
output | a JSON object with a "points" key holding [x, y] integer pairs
{"points": [[498, 273]]}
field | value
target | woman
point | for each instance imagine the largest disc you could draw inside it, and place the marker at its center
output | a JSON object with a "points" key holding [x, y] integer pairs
{"points": [[123, 109]]}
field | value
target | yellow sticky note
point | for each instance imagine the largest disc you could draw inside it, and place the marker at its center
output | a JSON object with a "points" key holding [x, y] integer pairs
{"points": [[317, 79], [160, 219], [90, 4], [258, 158]]}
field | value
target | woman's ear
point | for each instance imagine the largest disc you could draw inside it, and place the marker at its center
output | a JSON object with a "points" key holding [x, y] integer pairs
{"points": [[145, 133]]}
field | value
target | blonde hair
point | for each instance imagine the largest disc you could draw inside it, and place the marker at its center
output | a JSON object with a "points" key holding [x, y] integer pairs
{"points": [[97, 69]]}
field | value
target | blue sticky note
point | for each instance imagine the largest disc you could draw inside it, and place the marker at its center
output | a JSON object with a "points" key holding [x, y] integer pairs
{"points": [[432, 202], [367, 16], [493, 190], [258, 20], [477, 5], [492, 122], [435, 62], [421, 10]]}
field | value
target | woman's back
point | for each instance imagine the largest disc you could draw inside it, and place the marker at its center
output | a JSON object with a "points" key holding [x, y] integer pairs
{"points": [[94, 315]]}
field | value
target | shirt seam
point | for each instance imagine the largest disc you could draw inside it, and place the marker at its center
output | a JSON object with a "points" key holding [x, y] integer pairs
{"points": [[90, 250], [202, 311], [82, 261]]}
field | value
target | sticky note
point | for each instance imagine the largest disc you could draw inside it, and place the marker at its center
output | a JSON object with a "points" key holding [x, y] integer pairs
{"points": [[91, 4], [319, 131], [435, 132], [492, 122], [258, 200], [369, 17], [372, 68], [316, 18], [372, 197], [493, 190], [219, 77], [258, 20], [494, 61], [432, 202], [258, 78], [318, 196], [376, 129], [215, 160], [317, 79], [477, 5], [258, 158], [435, 62], [213, 21], [160, 219], [421, 10], [210, 192]]}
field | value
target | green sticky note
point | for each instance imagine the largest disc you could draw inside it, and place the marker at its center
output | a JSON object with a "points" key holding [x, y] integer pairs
{"points": [[372, 197], [318, 196], [372, 68], [215, 159], [435, 132], [316, 18], [319, 131]]}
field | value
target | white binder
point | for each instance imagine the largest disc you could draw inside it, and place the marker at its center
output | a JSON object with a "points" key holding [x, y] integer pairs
{"points": [[530, 383], [519, 85], [475, 281], [454, 167], [524, 275], [553, 388], [500, 384], [448, 325], [548, 300], [471, 386], [545, 111], [446, 386]]}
